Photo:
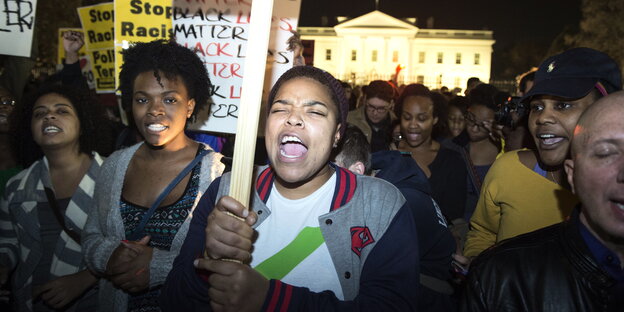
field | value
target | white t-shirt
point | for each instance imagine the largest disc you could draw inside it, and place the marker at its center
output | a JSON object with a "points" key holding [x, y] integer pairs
{"points": [[286, 248]]}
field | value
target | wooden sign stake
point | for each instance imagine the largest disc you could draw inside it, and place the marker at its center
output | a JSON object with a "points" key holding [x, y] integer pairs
{"points": [[250, 103]]}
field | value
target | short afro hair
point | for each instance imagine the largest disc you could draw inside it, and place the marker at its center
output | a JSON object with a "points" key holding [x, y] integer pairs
{"points": [[484, 94], [460, 102], [170, 59], [414, 89]]}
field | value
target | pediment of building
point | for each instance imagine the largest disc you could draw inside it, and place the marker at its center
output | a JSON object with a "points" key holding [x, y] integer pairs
{"points": [[375, 20]]}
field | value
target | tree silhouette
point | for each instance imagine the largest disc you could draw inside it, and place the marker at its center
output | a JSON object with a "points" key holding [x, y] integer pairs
{"points": [[601, 28]]}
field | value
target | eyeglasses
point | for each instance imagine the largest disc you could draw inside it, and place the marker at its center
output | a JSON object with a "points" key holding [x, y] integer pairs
{"points": [[8, 102], [471, 120], [375, 109]]}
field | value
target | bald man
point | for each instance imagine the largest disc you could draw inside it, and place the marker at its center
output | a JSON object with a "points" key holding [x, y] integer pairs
{"points": [[576, 265]]}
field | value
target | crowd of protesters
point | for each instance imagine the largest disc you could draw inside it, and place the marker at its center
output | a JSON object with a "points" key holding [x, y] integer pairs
{"points": [[366, 198]]}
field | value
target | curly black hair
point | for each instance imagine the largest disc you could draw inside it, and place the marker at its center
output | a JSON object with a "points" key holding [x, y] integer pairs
{"points": [[169, 59], [91, 139]]}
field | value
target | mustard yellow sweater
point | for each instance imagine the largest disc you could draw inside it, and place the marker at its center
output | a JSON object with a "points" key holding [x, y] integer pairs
{"points": [[515, 200]]}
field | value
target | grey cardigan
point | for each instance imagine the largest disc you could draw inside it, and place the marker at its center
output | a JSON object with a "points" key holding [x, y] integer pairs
{"points": [[20, 236], [105, 229]]}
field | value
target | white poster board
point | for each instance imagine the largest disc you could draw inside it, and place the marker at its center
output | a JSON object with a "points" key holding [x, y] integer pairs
{"points": [[217, 31], [17, 23]]}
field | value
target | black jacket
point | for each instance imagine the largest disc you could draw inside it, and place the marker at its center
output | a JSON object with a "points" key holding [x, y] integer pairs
{"points": [[448, 183], [550, 269], [461, 145], [435, 241]]}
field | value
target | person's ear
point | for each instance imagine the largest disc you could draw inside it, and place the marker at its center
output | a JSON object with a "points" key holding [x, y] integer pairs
{"points": [[435, 120], [337, 136], [568, 165], [357, 168], [190, 106]]}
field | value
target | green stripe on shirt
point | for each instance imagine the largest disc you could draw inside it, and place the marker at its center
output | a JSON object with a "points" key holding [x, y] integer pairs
{"points": [[284, 261]]}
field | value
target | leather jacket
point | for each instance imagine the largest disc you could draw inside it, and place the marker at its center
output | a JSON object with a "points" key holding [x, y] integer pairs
{"points": [[550, 269]]}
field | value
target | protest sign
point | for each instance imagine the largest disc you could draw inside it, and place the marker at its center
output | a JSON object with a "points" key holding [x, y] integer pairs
{"points": [[217, 31], [140, 21], [103, 65], [85, 66], [97, 23], [17, 22]]}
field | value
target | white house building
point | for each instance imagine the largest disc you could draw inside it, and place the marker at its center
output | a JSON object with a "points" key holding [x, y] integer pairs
{"points": [[371, 47]]}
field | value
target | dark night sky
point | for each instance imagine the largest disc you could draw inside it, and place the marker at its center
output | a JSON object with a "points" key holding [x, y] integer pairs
{"points": [[538, 21]]}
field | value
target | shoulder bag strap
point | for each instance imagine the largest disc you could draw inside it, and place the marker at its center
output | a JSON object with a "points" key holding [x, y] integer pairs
{"points": [[473, 169], [59, 217], [138, 231]]}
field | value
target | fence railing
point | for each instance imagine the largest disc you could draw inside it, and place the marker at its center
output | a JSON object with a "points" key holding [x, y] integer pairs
{"points": [[508, 85]]}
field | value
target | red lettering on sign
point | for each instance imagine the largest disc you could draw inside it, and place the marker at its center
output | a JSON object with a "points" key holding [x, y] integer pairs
{"points": [[235, 96]]}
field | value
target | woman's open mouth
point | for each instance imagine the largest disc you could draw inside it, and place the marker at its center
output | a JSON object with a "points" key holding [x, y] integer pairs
{"points": [[291, 147]]}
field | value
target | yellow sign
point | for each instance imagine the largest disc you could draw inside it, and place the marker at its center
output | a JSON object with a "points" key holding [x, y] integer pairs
{"points": [[97, 22], [140, 21], [61, 51], [103, 63]]}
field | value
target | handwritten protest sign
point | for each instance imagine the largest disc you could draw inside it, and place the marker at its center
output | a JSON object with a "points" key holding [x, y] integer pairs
{"points": [[217, 30], [97, 22], [17, 22], [140, 21], [85, 66]]}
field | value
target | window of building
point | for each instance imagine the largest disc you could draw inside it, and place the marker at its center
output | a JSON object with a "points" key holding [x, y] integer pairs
{"points": [[353, 55], [420, 79], [374, 56], [477, 59], [457, 58], [440, 57], [328, 54], [395, 56], [457, 82], [421, 57]]}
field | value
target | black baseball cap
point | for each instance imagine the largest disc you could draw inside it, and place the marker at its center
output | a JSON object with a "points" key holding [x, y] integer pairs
{"points": [[574, 73]]}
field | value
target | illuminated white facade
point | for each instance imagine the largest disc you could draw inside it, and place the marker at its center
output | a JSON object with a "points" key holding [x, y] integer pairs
{"points": [[371, 46]]}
